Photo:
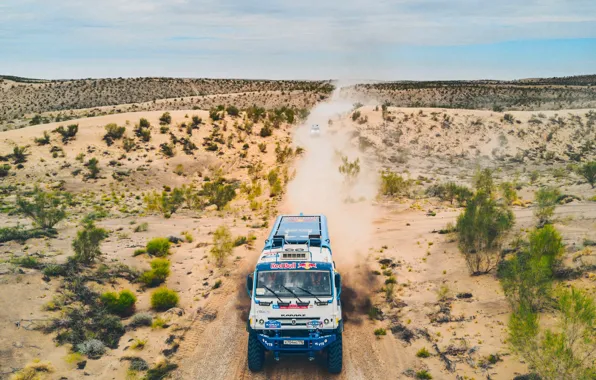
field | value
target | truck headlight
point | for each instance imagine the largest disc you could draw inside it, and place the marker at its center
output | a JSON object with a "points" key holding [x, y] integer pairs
{"points": [[261, 321], [326, 321]]}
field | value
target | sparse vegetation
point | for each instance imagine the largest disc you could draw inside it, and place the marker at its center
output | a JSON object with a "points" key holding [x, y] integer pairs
{"points": [[67, 134], [93, 168], [86, 244], [546, 201], [45, 209], [481, 228], [165, 118], [393, 184], [423, 353], [222, 245], [588, 171], [122, 303], [164, 299], [160, 270], [350, 170], [527, 277], [44, 140], [113, 132], [218, 192], [159, 247]]}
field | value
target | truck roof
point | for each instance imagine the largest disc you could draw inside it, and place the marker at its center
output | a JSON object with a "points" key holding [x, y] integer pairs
{"points": [[298, 238], [311, 229]]}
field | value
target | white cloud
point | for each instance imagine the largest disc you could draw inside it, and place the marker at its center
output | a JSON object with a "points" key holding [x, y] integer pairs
{"points": [[258, 31]]}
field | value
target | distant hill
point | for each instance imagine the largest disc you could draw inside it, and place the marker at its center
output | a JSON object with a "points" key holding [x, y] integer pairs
{"points": [[25, 96]]}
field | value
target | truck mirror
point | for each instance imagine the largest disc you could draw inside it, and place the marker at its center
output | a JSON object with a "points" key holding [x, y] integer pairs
{"points": [[338, 283], [249, 284]]}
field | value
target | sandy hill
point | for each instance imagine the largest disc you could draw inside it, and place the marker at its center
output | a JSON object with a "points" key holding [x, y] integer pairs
{"points": [[20, 98], [525, 94]]}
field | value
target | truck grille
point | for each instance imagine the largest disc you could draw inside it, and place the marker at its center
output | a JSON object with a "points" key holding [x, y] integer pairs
{"points": [[288, 321]]}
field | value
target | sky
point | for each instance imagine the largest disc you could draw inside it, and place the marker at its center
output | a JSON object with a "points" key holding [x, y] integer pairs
{"points": [[298, 39]]}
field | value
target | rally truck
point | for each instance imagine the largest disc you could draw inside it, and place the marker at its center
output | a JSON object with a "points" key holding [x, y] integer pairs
{"points": [[295, 293]]}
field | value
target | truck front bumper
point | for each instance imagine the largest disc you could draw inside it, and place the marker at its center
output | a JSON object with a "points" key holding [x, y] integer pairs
{"points": [[314, 342]]}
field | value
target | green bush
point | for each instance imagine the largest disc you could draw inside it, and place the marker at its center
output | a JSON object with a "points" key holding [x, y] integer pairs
{"points": [[86, 244], [266, 131], [167, 149], [160, 270], [4, 170], [527, 278], [93, 168], [158, 247], [481, 228], [564, 351], [380, 331], [52, 270], [69, 133], [588, 171], [218, 193], [113, 132], [164, 299], [46, 209], [393, 184], [19, 154], [424, 375], [160, 370], [21, 235], [240, 240], [165, 118], [165, 202], [423, 353], [350, 170], [44, 140], [546, 200], [122, 303], [483, 181], [222, 244], [508, 192], [27, 262], [233, 111]]}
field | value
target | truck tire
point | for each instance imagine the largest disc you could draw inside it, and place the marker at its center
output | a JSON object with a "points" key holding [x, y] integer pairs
{"points": [[256, 353], [335, 356]]}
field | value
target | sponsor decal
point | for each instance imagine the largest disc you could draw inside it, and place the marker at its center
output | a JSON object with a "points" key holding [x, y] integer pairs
{"points": [[291, 306], [300, 219], [314, 324], [294, 265], [273, 325], [283, 265], [263, 312]]}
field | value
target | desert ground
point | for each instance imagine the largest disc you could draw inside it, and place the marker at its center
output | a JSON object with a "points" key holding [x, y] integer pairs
{"points": [[407, 286]]}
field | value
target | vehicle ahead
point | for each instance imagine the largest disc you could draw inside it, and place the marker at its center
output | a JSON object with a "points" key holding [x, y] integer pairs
{"points": [[315, 130], [295, 294]]}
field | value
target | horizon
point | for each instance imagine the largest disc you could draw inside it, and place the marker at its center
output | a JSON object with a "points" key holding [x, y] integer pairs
{"points": [[352, 81]]}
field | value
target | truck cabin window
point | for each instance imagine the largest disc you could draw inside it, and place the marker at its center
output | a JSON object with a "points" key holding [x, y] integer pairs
{"points": [[305, 284]]}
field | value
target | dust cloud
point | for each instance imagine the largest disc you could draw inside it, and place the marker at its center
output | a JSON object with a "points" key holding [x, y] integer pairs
{"points": [[319, 188]]}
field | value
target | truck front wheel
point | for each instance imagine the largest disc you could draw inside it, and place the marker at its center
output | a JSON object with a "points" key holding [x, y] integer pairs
{"points": [[335, 356], [256, 353]]}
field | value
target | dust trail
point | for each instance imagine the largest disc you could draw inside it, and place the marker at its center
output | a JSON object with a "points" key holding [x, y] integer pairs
{"points": [[319, 188]]}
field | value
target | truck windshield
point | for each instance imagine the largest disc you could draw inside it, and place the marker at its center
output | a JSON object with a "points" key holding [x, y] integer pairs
{"points": [[315, 282]]}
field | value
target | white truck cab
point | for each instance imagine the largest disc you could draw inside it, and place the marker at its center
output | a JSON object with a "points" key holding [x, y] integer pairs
{"points": [[295, 294]]}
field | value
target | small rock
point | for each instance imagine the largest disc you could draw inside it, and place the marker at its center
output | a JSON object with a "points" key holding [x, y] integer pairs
{"points": [[175, 239], [82, 365], [464, 295]]}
